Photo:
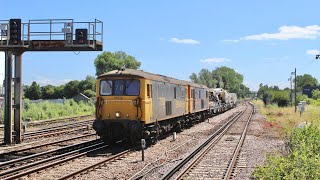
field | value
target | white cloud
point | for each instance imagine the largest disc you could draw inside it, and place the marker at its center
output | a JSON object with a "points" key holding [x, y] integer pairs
{"points": [[230, 40], [288, 32], [313, 52], [42, 80], [214, 60], [184, 41], [2, 60]]}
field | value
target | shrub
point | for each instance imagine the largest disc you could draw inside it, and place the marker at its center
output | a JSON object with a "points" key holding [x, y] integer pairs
{"points": [[302, 161], [281, 98], [48, 110], [315, 94]]}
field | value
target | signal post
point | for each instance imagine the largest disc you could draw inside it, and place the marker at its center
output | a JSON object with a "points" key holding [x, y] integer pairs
{"points": [[17, 37]]}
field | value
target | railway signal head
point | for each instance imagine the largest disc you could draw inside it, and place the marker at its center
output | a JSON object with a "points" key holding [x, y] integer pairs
{"points": [[15, 31], [81, 36]]}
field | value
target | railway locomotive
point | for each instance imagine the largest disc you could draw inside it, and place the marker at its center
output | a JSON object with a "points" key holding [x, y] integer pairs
{"points": [[133, 104]]}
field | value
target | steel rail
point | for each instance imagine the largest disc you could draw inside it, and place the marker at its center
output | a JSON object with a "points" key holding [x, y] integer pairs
{"points": [[39, 123], [47, 144], [60, 127], [42, 122], [11, 162], [237, 150], [176, 168], [63, 158], [74, 174], [54, 133], [209, 147]]}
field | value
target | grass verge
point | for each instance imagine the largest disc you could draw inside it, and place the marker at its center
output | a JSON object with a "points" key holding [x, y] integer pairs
{"points": [[302, 139]]}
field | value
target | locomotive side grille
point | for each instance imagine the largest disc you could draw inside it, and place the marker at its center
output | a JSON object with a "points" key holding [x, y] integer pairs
{"points": [[202, 103], [168, 108], [194, 104]]}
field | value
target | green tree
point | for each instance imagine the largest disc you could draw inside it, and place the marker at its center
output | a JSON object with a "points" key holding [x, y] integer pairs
{"points": [[228, 78], [88, 84], [244, 91], [262, 90], [205, 77], [89, 93], [33, 92], [194, 78], [221, 77], [108, 61], [58, 92], [47, 92], [71, 89], [306, 80]]}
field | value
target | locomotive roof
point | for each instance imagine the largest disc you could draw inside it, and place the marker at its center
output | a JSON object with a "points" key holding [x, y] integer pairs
{"points": [[147, 75]]}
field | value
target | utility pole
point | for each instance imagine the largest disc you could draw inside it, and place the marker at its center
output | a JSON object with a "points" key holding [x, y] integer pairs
{"points": [[290, 79], [295, 89]]}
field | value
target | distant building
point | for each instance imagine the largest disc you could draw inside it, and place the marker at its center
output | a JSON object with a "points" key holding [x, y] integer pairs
{"points": [[307, 90]]}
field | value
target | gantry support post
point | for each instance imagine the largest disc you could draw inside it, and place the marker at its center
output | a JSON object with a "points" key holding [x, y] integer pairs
{"points": [[17, 96], [8, 99]]}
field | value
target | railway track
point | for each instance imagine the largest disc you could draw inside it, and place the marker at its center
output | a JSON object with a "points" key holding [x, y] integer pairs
{"points": [[23, 151], [58, 130], [27, 165], [50, 121], [97, 165], [214, 159]]}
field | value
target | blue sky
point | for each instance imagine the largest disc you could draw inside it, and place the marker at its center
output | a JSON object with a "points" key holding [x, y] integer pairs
{"points": [[263, 40]]}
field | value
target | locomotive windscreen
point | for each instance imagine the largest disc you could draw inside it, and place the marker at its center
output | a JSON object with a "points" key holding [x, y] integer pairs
{"points": [[119, 87]]}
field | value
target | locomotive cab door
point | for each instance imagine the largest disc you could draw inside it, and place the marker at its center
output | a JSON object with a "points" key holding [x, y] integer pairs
{"points": [[148, 101], [190, 99]]}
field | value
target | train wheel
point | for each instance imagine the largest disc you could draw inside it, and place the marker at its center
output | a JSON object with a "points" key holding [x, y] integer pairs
{"points": [[133, 140], [178, 127]]}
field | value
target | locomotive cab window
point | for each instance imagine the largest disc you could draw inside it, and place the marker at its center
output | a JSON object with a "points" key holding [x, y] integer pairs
{"points": [[105, 87], [118, 87], [132, 87], [149, 87]]}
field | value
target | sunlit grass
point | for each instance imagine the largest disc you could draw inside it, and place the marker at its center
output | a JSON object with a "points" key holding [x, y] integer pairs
{"points": [[301, 161], [284, 118]]}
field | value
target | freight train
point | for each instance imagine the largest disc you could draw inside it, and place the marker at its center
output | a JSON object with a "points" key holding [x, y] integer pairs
{"points": [[133, 104]]}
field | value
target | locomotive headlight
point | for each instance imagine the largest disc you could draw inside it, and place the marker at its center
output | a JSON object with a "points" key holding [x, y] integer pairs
{"points": [[117, 114]]}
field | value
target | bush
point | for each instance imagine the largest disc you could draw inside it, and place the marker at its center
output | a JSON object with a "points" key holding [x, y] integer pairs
{"points": [[302, 161], [316, 102], [47, 110], [315, 94], [281, 98]]}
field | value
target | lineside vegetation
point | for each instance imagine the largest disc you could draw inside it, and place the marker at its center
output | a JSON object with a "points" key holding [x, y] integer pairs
{"points": [[301, 159], [47, 110]]}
